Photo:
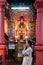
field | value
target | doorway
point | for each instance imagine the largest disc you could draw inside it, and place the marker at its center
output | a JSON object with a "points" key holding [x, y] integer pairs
{"points": [[20, 28]]}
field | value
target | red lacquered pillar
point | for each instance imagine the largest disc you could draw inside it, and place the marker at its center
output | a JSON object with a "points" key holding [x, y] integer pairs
{"points": [[2, 39], [39, 33]]}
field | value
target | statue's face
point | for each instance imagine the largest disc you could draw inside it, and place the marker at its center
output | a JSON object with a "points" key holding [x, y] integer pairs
{"points": [[22, 21]]}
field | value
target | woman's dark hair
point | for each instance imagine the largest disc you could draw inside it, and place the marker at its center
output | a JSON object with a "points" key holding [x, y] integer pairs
{"points": [[30, 43]]}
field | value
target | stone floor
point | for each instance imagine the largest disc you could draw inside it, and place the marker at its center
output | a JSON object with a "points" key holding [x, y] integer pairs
{"points": [[12, 62]]}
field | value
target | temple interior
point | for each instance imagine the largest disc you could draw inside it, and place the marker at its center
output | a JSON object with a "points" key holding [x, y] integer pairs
{"points": [[19, 27]]}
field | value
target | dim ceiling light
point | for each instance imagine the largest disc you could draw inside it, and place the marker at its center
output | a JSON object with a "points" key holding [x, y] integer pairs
{"points": [[19, 8]]}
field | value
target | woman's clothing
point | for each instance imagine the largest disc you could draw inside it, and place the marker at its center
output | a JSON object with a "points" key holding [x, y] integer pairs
{"points": [[27, 59]]}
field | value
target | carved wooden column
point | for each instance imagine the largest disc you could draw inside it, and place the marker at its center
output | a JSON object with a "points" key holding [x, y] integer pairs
{"points": [[39, 33]]}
